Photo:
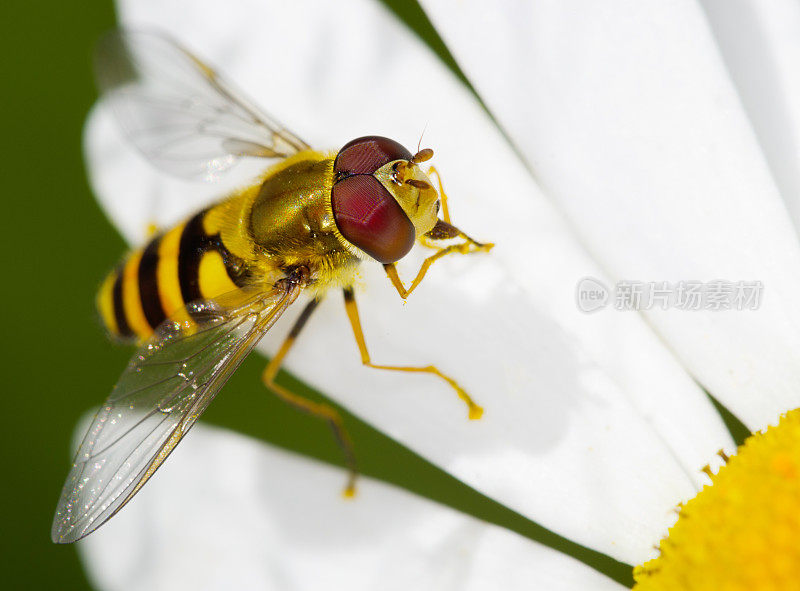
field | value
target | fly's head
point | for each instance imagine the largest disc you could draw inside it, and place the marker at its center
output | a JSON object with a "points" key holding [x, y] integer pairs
{"points": [[412, 189], [381, 198]]}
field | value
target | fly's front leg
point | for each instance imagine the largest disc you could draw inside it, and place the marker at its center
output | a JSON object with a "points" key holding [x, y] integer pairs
{"points": [[446, 218], [475, 411], [441, 231], [442, 194], [320, 410]]}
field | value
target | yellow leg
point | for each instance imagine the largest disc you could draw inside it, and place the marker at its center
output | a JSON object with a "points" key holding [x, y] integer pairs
{"points": [[391, 269], [442, 194], [443, 230], [320, 410], [469, 246], [475, 411]]}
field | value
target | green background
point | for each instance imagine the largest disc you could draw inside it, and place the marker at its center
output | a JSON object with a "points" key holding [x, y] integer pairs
{"points": [[57, 363]]}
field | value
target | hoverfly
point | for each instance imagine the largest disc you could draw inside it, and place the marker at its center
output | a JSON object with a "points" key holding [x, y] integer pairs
{"points": [[199, 296]]}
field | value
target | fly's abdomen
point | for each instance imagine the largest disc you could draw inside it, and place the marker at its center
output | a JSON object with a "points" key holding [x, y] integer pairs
{"points": [[187, 264], [126, 305]]}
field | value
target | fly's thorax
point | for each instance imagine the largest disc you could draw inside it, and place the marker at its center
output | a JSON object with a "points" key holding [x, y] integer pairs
{"points": [[289, 220], [290, 213], [381, 200]]}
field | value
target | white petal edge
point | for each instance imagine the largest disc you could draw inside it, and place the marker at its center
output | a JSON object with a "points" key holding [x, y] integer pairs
{"points": [[279, 522], [626, 112], [593, 423], [760, 43]]}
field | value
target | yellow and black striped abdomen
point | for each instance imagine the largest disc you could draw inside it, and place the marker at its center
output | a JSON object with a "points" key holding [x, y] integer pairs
{"points": [[184, 265]]}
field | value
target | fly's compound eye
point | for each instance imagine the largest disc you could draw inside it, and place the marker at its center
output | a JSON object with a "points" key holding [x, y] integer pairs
{"points": [[370, 218], [367, 154]]}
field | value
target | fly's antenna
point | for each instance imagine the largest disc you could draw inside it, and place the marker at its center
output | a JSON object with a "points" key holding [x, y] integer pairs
{"points": [[419, 143], [400, 173], [425, 153]]}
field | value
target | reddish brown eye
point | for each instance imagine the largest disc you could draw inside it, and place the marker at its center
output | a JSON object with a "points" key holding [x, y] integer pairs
{"points": [[369, 217], [367, 154]]}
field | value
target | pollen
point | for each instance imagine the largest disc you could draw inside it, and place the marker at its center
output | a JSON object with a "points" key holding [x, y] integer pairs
{"points": [[741, 532]]}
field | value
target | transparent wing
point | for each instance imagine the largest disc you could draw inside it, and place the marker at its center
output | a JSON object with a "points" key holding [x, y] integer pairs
{"points": [[178, 112], [167, 385]]}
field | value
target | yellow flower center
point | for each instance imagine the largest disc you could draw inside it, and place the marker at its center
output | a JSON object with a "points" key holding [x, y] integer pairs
{"points": [[742, 532]]}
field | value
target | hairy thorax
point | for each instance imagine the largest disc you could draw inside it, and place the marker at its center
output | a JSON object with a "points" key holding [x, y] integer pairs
{"points": [[286, 220]]}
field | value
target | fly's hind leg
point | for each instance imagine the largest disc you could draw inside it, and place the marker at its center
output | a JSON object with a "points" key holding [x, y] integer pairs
{"points": [[318, 409], [475, 411]]}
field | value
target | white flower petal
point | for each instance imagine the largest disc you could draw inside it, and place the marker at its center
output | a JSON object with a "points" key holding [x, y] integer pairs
{"points": [[626, 113], [760, 42], [231, 513], [591, 428]]}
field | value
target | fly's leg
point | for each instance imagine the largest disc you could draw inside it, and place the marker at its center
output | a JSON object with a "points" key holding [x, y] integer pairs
{"points": [[391, 270], [475, 411], [443, 230], [320, 410], [442, 194]]}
